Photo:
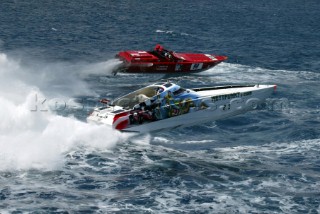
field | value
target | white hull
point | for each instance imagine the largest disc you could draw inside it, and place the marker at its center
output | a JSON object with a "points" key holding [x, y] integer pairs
{"points": [[219, 104]]}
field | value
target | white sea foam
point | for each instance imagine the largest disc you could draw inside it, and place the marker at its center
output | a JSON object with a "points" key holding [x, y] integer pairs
{"points": [[183, 141], [226, 72], [171, 32], [32, 138], [267, 151], [142, 140], [161, 140], [101, 68]]}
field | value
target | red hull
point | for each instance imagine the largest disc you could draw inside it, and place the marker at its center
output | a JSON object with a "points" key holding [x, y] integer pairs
{"points": [[164, 61]]}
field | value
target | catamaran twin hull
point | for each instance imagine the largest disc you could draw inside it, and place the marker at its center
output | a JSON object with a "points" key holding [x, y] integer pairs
{"points": [[167, 105]]}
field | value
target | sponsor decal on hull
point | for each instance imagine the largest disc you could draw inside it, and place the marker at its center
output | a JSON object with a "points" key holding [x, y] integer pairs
{"points": [[162, 68], [196, 66]]}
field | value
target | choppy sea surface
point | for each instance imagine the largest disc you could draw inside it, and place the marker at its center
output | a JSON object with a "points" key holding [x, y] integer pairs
{"points": [[56, 59]]}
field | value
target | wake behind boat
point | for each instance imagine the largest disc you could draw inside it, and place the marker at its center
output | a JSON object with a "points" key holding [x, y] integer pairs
{"points": [[167, 105], [161, 60]]}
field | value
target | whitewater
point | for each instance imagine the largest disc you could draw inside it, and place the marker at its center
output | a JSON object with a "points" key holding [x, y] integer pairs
{"points": [[32, 136]]}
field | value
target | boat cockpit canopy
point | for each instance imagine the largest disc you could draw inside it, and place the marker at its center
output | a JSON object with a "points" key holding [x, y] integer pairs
{"points": [[158, 89]]}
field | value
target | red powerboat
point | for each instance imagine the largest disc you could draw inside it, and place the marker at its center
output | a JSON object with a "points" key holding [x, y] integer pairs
{"points": [[161, 60]]}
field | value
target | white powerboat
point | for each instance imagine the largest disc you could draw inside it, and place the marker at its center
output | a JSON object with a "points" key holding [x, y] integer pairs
{"points": [[167, 105]]}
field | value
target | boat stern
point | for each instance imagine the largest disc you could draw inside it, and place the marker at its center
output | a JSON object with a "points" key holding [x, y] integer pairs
{"points": [[136, 61], [136, 57], [111, 116]]}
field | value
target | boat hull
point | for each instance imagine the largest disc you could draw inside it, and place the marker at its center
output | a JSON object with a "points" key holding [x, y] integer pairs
{"points": [[160, 60], [215, 104], [216, 111], [168, 67]]}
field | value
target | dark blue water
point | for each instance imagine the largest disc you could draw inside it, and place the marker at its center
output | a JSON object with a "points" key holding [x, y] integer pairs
{"points": [[54, 52]]}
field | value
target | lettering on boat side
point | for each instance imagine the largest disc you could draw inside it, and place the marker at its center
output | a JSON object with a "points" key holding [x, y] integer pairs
{"points": [[162, 68], [230, 96]]}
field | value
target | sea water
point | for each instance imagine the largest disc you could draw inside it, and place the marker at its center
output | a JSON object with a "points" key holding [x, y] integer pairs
{"points": [[56, 60]]}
